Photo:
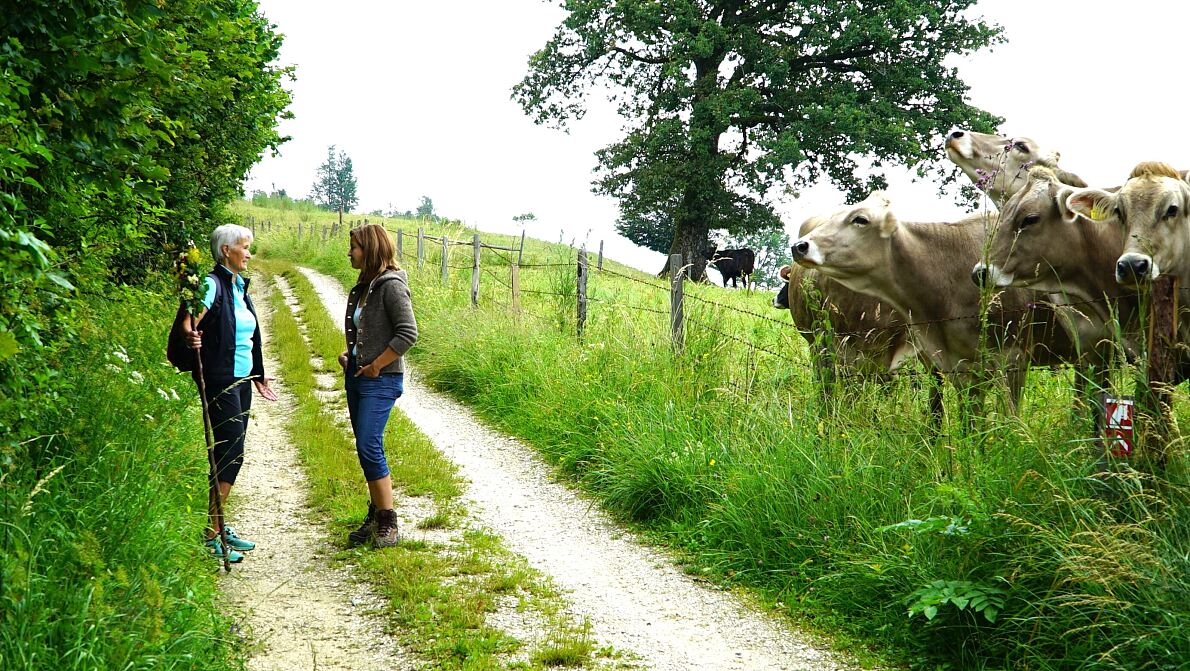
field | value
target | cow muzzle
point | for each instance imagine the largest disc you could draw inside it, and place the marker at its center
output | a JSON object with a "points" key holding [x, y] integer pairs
{"points": [[806, 253], [1135, 269], [984, 276]]}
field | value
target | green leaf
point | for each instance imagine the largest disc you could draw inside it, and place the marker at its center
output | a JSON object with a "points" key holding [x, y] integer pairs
{"points": [[8, 345]]}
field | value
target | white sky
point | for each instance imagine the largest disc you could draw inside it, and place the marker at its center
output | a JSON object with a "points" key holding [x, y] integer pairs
{"points": [[418, 95]]}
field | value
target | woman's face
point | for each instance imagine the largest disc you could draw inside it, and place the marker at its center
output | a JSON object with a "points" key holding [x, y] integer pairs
{"points": [[356, 254], [236, 256]]}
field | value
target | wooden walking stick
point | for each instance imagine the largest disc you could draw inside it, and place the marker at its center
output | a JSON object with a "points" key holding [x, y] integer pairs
{"points": [[214, 499], [187, 273]]}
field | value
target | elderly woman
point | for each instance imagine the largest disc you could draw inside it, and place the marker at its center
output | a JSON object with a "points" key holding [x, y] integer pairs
{"points": [[227, 337], [380, 328]]}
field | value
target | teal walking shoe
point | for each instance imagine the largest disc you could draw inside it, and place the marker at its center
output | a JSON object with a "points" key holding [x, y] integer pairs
{"points": [[236, 542], [215, 547]]}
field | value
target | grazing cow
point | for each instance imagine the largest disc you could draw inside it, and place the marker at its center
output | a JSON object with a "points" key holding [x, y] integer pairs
{"points": [[998, 165], [923, 272], [1153, 209], [734, 263], [1041, 244]]}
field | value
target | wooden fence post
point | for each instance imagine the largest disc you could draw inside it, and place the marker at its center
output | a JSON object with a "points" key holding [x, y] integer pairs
{"points": [[299, 231], [515, 282], [475, 271], [324, 232], [421, 247], [582, 290], [521, 253], [677, 278], [1157, 399], [599, 264], [400, 251], [445, 259]]}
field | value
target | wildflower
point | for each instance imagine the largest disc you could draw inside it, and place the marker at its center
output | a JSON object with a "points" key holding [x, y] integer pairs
{"points": [[174, 394], [119, 354], [112, 367], [136, 377], [149, 417], [163, 394], [712, 462]]}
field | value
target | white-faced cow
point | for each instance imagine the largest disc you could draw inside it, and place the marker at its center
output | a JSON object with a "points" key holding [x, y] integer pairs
{"points": [[1043, 245], [923, 271], [734, 264], [999, 165], [1153, 209]]}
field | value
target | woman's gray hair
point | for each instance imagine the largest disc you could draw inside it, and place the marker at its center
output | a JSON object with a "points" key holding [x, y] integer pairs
{"points": [[227, 234]]}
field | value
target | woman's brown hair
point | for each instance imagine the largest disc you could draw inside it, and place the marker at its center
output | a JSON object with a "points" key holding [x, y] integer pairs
{"points": [[379, 250]]}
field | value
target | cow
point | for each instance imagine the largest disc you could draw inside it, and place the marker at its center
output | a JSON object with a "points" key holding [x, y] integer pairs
{"points": [[733, 264], [998, 165], [1153, 210], [922, 270], [1043, 245]]}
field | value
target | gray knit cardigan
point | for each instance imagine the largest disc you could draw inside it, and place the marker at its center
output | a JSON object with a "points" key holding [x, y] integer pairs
{"points": [[386, 319]]}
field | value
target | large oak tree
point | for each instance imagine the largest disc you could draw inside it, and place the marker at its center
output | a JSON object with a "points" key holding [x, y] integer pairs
{"points": [[725, 100]]}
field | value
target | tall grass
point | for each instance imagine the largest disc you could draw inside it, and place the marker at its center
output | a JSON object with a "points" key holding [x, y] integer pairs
{"points": [[103, 506], [1005, 546]]}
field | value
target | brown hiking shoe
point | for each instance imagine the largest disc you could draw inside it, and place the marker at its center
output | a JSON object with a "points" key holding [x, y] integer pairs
{"points": [[386, 528], [366, 531]]}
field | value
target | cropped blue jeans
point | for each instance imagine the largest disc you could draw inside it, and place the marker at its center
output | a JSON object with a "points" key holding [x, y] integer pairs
{"points": [[369, 402]]}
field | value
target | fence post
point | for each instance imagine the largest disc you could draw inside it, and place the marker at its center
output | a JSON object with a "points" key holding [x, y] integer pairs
{"points": [[1157, 398], [599, 264], [521, 253], [677, 278], [299, 231], [400, 251], [582, 290], [421, 247], [475, 272], [445, 258], [324, 233], [515, 282]]}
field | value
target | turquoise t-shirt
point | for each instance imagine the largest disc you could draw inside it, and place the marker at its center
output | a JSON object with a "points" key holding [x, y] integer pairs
{"points": [[245, 322]]}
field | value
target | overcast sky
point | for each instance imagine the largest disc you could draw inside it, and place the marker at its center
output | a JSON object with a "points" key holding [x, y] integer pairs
{"points": [[417, 94]]}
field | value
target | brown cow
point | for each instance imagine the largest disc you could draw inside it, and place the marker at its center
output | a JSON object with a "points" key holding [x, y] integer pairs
{"points": [[1153, 209], [998, 165], [923, 271]]}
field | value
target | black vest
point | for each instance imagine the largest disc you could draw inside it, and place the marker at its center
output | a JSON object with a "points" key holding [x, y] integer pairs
{"points": [[218, 328]]}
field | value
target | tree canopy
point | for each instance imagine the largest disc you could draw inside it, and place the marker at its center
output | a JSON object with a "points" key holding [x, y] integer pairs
{"points": [[335, 185], [127, 125], [724, 100]]}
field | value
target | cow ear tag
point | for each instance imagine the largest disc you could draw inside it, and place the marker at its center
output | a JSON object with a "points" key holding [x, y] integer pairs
{"points": [[1098, 212]]}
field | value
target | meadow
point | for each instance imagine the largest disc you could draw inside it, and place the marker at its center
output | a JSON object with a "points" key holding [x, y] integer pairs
{"points": [[104, 504], [1006, 545]]}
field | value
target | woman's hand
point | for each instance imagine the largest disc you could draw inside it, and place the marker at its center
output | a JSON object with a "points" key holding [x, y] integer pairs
{"points": [[266, 392], [343, 361], [194, 339], [370, 370]]}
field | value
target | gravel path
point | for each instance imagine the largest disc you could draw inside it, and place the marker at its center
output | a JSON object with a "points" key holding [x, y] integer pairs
{"points": [[297, 610], [633, 596]]}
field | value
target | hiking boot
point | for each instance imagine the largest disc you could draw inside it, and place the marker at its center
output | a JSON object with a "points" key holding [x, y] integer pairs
{"points": [[366, 531], [237, 543], [215, 549], [386, 528]]}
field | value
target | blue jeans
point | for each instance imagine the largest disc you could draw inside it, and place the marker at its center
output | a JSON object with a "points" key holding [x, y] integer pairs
{"points": [[369, 402]]}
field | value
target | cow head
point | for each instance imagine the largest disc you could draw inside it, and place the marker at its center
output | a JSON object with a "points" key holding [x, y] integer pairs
{"points": [[847, 244], [998, 165], [1154, 208], [1032, 241]]}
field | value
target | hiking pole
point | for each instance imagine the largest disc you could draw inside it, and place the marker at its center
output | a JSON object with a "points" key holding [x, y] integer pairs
{"points": [[215, 498]]}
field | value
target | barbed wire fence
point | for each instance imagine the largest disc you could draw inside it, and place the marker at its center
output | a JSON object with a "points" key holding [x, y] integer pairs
{"points": [[573, 278]]}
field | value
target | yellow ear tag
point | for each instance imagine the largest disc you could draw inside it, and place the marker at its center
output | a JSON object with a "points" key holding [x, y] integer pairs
{"points": [[1098, 213]]}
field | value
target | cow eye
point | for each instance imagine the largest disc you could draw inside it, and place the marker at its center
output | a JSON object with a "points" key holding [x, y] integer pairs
{"points": [[860, 220], [1021, 147], [1171, 212], [1029, 220]]}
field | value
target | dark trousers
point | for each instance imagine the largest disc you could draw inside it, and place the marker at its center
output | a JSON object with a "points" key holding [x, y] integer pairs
{"points": [[228, 402]]}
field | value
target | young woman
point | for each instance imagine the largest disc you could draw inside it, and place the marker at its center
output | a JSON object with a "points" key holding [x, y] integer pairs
{"points": [[231, 355], [380, 328]]}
